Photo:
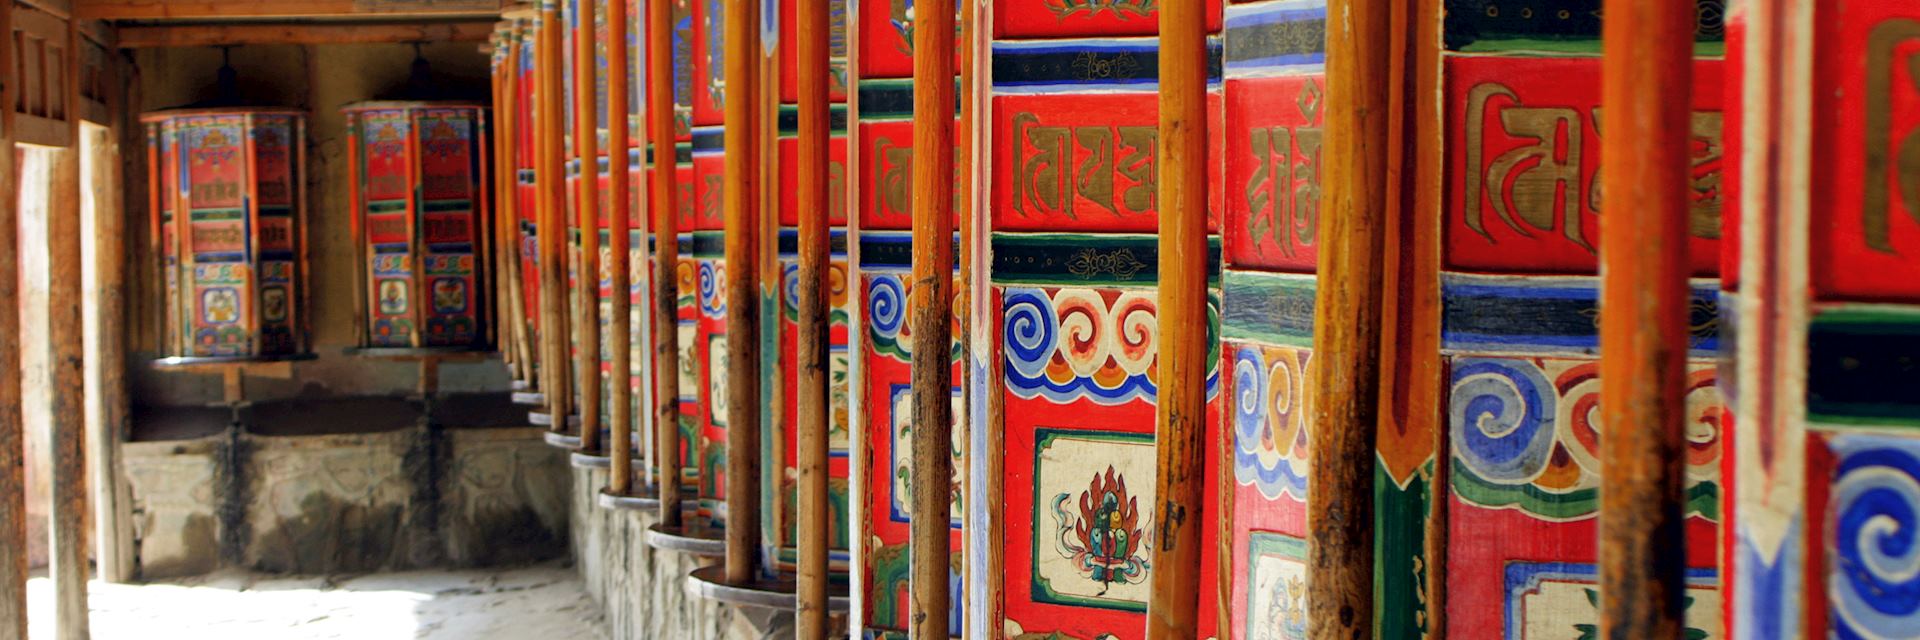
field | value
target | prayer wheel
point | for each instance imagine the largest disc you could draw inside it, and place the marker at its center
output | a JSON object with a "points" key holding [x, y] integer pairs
{"points": [[228, 204], [418, 180]]}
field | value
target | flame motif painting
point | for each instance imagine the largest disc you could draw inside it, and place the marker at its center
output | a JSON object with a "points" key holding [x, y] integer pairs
{"points": [[1095, 551], [1103, 539]]}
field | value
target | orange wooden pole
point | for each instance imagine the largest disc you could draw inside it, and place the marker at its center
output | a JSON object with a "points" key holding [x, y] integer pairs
{"points": [[551, 181], [1180, 450], [814, 517], [666, 255], [619, 267], [1359, 194], [930, 545], [739, 198], [586, 143], [1646, 79]]}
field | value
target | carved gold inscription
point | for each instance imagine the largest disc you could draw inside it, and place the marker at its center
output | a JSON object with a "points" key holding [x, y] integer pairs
{"points": [[1056, 167]]}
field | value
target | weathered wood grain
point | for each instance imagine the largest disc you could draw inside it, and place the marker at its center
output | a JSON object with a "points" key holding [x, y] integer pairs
{"points": [[619, 271], [586, 288], [1363, 99], [1646, 74], [551, 224], [68, 554], [666, 255], [13, 485], [738, 200], [814, 517], [930, 313]]}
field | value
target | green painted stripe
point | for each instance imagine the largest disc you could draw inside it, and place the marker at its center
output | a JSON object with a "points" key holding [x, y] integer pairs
{"points": [[386, 206], [790, 119], [217, 214], [1269, 308], [440, 206]]}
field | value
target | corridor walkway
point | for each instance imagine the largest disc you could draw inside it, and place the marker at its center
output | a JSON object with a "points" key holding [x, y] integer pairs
{"points": [[542, 601]]}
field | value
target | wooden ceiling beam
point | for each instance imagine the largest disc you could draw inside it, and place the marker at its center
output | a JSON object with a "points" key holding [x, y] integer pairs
{"points": [[213, 35], [234, 9]]}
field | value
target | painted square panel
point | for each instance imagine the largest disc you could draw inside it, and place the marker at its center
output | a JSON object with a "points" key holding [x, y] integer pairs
{"points": [[1090, 488], [1273, 142], [1277, 588], [1524, 160], [1560, 601], [1866, 146]]}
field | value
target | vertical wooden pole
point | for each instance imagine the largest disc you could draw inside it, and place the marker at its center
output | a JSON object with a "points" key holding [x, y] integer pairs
{"points": [[1180, 484], [1346, 376], [106, 355], [620, 343], [814, 518], [67, 556], [13, 482], [666, 256], [1646, 79], [931, 313], [509, 136], [551, 181], [739, 197], [586, 141]]}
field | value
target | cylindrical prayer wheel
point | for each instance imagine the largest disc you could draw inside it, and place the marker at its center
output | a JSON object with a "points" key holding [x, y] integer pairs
{"points": [[228, 203], [417, 174]]}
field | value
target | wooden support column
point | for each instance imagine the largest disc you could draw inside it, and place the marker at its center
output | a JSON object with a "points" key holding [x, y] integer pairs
{"points": [[930, 313], [620, 325], [106, 354], [1363, 99], [67, 556], [13, 482], [666, 256], [551, 179], [739, 198], [1646, 78], [815, 520], [1179, 439], [507, 112], [586, 141]]}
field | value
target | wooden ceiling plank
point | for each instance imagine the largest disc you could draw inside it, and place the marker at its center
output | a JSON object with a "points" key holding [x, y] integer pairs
{"points": [[229, 9], [207, 35]]}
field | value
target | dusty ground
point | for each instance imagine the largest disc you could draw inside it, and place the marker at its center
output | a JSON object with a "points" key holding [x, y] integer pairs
{"points": [[543, 602]]}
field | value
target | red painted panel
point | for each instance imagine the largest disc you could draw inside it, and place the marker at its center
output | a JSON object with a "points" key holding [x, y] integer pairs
{"points": [[1866, 143], [836, 52], [708, 61], [1273, 141], [836, 182], [886, 164], [1524, 159], [1083, 162]]}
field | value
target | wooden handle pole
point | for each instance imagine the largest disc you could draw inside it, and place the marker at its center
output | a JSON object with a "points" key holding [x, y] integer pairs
{"points": [[1646, 78], [551, 181], [620, 245], [68, 553], [739, 198], [1180, 484], [586, 143], [814, 519], [931, 316], [666, 255], [1362, 107]]}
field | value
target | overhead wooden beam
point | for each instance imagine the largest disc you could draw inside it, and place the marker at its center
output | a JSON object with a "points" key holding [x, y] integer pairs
{"points": [[1180, 434], [1365, 98], [230, 9], [218, 35], [1646, 78]]}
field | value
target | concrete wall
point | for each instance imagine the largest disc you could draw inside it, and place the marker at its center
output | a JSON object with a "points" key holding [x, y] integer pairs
{"points": [[340, 503], [642, 590]]}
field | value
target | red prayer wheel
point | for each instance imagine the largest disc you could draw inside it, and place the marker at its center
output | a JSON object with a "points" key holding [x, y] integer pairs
{"points": [[229, 202], [418, 190]]}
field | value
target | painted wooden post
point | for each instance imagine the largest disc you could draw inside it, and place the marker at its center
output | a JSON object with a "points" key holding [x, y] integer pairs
{"points": [[815, 522], [1646, 77], [1346, 341], [620, 324], [666, 254], [13, 485], [67, 555], [930, 315], [586, 117], [1179, 445], [552, 225], [739, 198]]}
